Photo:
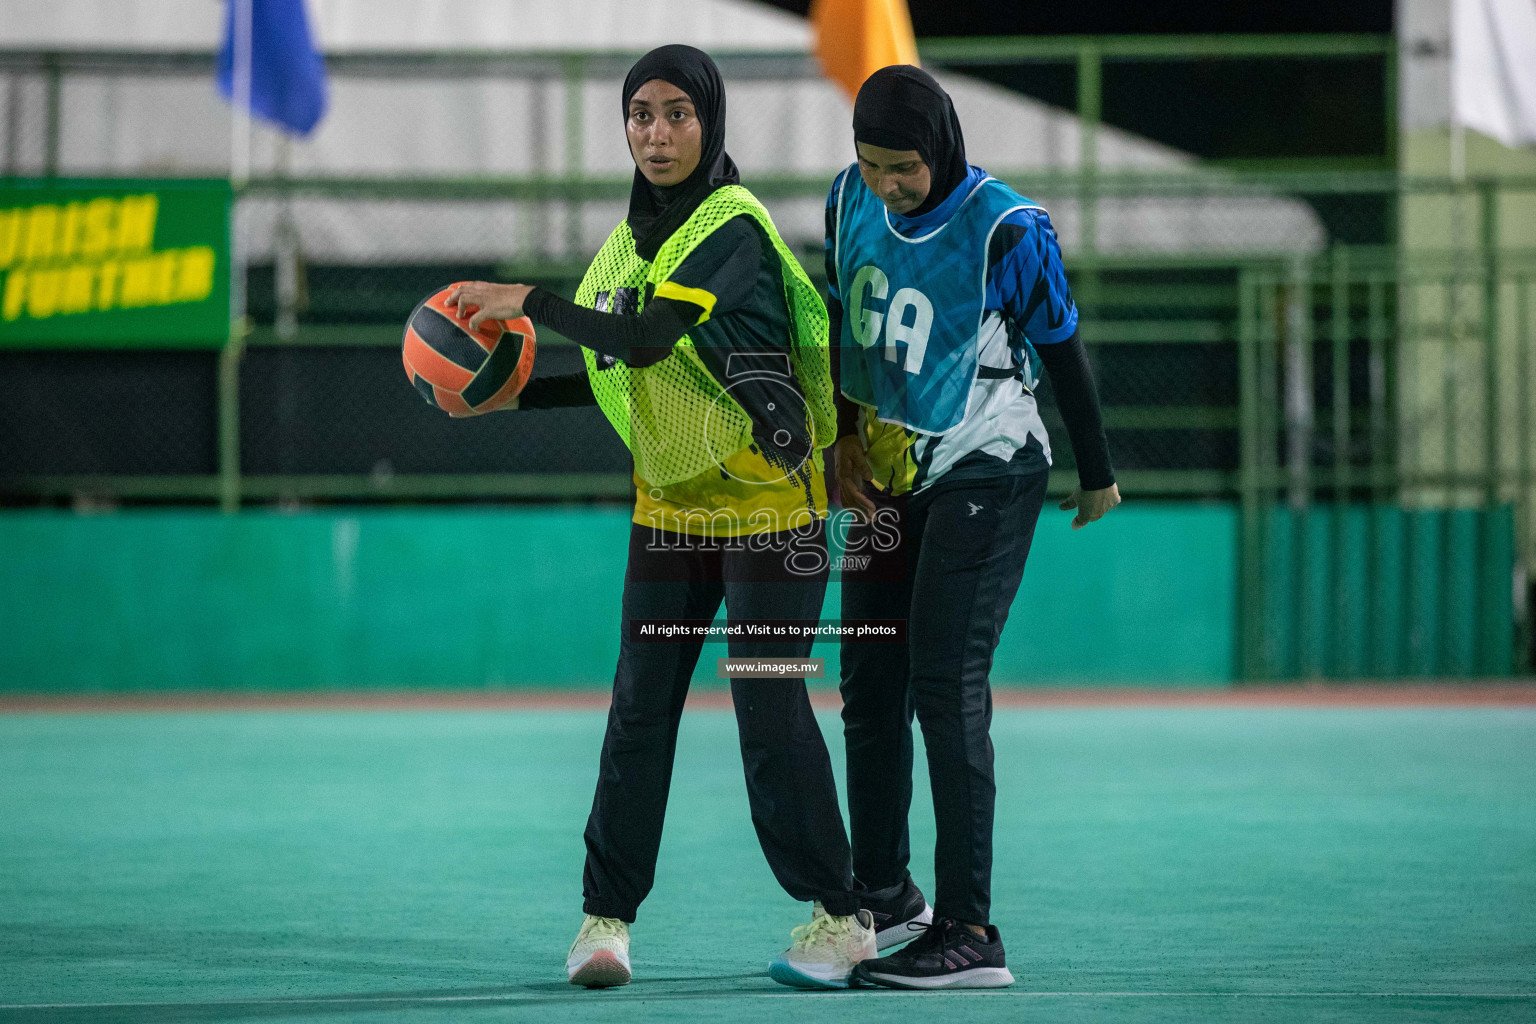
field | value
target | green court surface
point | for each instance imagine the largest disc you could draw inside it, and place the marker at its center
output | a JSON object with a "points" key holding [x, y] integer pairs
{"points": [[1210, 864]]}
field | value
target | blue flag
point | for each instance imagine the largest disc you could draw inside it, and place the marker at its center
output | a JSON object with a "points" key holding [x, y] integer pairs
{"points": [[287, 75]]}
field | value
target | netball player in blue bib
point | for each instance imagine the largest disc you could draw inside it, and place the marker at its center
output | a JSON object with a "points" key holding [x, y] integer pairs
{"points": [[948, 298]]}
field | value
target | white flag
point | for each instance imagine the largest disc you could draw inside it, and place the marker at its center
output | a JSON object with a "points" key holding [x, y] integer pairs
{"points": [[1493, 68]]}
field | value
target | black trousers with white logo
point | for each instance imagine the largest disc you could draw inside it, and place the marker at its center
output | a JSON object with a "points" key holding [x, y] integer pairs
{"points": [[790, 786], [953, 578]]}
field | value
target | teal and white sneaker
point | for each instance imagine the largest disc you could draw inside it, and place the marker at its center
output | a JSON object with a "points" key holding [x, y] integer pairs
{"points": [[823, 954], [599, 957]]}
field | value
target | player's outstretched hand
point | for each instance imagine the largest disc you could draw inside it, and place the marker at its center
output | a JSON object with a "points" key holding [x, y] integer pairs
{"points": [[1090, 505], [853, 473], [482, 300]]}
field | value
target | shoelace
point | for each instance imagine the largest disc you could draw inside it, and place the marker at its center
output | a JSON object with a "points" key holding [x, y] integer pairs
{"points": [[822, 926], [604, 928], [937, 937]]}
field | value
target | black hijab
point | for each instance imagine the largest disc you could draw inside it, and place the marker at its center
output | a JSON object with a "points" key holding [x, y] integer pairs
{"points": [[902, 107], [656, 211]]}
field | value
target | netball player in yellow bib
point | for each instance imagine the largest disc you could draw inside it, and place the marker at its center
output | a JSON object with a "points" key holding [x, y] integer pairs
{"points": [[706, 347]]}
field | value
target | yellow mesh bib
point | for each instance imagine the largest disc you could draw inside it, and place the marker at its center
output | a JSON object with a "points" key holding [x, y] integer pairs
{"points": [[673, 415]]}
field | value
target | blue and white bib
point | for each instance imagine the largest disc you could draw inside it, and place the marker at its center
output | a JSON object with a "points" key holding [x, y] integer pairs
{"points": [[913, 307]]}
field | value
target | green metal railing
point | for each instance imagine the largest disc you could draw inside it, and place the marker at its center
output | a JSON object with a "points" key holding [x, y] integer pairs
{"points": [[1386, 478], [574, 67], [1131, 312]]}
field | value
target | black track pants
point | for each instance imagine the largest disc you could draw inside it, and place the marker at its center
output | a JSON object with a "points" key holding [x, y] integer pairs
{"points": [[953, 578], [789, 774]]}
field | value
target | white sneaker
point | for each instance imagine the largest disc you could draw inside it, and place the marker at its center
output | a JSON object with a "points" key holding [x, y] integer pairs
{"points": [[823, 953], [599, 957]]}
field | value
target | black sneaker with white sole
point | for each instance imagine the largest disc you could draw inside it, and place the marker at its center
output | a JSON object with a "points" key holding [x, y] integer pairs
{"points": [[946, 955], [899, 918]]}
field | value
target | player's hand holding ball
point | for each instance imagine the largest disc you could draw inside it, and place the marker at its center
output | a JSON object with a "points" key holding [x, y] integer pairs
{"points": [[468, 349], [1090, 505], [482, 300]]}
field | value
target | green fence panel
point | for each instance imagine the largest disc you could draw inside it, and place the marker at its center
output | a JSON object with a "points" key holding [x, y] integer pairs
{"points": [[1146, 596], [1404, 601], [191, 600]]}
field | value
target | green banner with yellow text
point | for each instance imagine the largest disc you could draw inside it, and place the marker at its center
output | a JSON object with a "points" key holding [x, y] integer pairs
{"points": [[111, 263]]}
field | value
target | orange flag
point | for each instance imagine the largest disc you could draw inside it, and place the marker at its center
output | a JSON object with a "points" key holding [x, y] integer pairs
{"points": [[856, 38]]}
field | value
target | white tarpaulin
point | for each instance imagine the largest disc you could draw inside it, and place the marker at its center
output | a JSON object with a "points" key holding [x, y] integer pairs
{"points": [[476, 120], [1493, 68], [343, 26]]}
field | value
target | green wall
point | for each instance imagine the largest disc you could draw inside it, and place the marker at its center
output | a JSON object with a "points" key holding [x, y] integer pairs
{"points": [[192, 600], [1389, 591]]}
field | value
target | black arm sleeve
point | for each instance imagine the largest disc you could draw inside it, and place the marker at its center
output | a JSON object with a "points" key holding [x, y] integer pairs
{"points": [[721, 270], [557, 392], [637, 340], [1077, 397], [847, 410]]}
